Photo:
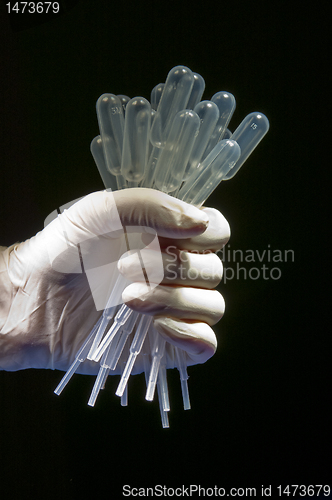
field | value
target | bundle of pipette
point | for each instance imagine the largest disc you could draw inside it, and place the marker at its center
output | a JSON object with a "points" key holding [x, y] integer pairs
{"points": [[181, 146]]}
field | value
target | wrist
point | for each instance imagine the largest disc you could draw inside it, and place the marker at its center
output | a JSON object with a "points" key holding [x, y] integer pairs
{"points": [[6, 286]]}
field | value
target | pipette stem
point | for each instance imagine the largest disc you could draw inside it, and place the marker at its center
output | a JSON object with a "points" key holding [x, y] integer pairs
{"points": [[97, 385], [124, 397], [106, 318], [107, 315], [135, 349], [162, 382], [69, 373], [126, 374], [121, 340], [163, 413], [105, 378], [100, 380], [182, 367], [79, 358], [121, 182], [121, 317], [157, 353]]}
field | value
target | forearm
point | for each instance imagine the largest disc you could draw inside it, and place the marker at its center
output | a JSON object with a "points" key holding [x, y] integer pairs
{"points": [[16, 341]]}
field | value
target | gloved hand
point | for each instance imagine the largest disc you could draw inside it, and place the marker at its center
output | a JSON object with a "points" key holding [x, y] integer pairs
{"points": [[48, 305]]}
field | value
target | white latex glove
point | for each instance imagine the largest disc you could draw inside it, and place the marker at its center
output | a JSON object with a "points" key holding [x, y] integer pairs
{"points": [[47, 312]]}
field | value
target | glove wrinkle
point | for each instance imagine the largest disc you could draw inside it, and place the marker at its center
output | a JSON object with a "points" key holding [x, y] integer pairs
{"points": [[196, 338], [169, 216]]}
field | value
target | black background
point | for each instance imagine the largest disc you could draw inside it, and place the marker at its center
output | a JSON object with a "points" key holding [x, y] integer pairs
{"points": [[260, 407]]}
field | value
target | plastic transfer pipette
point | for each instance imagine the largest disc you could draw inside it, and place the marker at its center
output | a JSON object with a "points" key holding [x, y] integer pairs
{"points": [[126, 317], [208, 113], [136, 140], [157, 352], [124, 99], [134, 350], [225, 101], [248, 135], [175, 155], [111, 125], [161, 385], [175, 96], [79, 358], [156, 94], [210, 173], [196, 91], [109, 180], [102, 374], [181, 364]]}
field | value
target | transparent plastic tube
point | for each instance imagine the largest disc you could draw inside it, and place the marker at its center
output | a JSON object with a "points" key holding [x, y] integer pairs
{"points": [[211, 172], [208, 113], [136, 139], [120, 319], [248, 135], [134, 350], [182, 367], [225, 101], [196, 92], [106, 318], [109, 180], [227, 134], [124, 99], [108, 352], [79, 358], [156, 93], [124, 397], [157, 353], [150, 170], [150, 146], [175, 155], [174, 98], [127, 329], [108, 313], [163, 413], [226, 104], [99, 382], [163, 393], [111, 126]]}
